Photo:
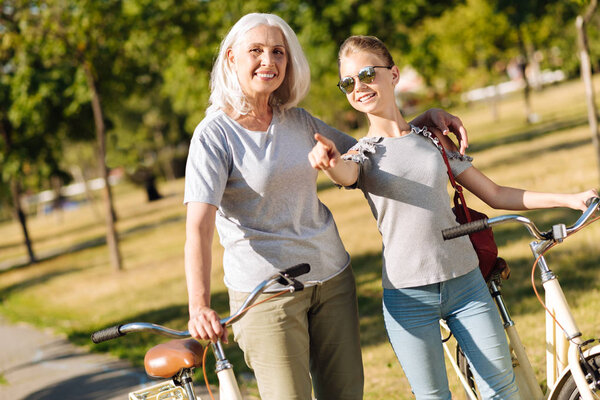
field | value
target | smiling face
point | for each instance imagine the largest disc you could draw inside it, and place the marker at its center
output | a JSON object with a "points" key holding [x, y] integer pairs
{"points": [[376, 97], [260, 60]]}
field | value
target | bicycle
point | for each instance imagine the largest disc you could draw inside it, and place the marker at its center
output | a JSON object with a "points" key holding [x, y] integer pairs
{"points": [[572, 363], [176, 360]]}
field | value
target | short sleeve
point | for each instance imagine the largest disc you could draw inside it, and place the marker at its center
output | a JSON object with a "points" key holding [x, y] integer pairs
{"points": [[342, 141], [207, 168], [458, 162], [358, 152]]}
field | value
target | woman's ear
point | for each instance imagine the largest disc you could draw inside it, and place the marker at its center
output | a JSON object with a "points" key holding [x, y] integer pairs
{"points": [[231, 57], [395, 74]]}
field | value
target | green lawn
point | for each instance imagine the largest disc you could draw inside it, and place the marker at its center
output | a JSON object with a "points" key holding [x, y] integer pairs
{"points": [[78, 292]]}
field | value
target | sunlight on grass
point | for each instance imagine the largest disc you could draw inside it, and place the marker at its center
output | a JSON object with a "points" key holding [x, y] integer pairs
{"points": [[77, 292]]}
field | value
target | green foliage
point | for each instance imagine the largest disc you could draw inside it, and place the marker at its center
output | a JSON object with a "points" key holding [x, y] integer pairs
{"points": [[151, 62], [462, 48]]}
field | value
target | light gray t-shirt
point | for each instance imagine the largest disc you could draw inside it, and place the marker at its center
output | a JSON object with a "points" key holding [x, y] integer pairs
{"points": [[405, 182], [269, 216]]}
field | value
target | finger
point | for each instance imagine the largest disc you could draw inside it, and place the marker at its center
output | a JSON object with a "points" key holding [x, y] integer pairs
{"points": [[464, 138], [323, 140], [217, 329], [193, 331], [225, 336], [316, 160], [312, 160]]}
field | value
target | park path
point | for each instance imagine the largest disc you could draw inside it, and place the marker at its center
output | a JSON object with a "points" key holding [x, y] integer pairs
{"points": [[39, 365]]}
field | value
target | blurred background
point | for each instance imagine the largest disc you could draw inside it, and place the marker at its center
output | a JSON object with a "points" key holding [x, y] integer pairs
{"points": [[99, 99]]}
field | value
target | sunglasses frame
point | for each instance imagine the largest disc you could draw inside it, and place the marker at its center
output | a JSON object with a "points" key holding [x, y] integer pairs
{"points": [[364, 79]]}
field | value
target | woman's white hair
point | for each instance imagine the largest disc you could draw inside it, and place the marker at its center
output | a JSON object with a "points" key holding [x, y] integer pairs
{"points": [[225, 89]]}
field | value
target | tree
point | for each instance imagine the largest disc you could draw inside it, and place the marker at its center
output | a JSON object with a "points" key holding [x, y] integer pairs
{"points": [[586, 74], [87, 36], [453, 56], [30, 134]]}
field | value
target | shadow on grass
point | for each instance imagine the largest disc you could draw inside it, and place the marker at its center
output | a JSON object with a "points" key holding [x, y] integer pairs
{"points": [[22, 262], [23, 285], [539, 151], [548, 127]]}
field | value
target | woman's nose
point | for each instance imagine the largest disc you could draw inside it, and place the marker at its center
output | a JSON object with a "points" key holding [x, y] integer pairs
{"points": [[358, 84], [267, 59]]}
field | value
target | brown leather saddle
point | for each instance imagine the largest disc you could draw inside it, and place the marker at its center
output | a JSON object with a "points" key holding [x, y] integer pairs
{"points": [[166, 359]]}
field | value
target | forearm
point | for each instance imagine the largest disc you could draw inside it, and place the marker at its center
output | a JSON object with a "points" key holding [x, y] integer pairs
{"points": [[509, 198], [344, 173], [518, 199], [199, 232], [198, 257]]}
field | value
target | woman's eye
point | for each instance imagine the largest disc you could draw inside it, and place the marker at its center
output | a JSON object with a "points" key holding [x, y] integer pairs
{"points": [[255, 50]]}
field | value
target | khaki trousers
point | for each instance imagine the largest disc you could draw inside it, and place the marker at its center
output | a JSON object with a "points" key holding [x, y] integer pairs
{"points": [[313, 332]]}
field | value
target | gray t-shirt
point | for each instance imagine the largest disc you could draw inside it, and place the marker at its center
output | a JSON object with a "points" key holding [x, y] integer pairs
{"points": [[269, 216], [405, 182]]}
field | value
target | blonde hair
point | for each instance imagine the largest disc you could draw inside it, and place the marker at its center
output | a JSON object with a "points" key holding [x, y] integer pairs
{"points": [[225, 88], [370, 44]]}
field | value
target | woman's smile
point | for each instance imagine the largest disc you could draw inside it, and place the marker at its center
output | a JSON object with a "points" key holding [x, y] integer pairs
{"points": [[366, 97]]}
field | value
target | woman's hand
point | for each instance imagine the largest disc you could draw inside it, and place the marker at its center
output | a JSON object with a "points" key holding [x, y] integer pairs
{"points": [[577, 200], [204, 324], [324, 154], [445, 122]]}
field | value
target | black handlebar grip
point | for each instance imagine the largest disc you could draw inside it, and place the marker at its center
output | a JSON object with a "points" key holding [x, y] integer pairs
{"points": [[296, 270], [107, 334], [465, 229]]}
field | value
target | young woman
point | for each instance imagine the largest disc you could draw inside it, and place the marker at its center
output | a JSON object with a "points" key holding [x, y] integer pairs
{"points": [[403, 176]]}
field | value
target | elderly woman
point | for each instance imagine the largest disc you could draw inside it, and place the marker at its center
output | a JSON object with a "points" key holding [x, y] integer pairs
{"points": [[247, 174]]}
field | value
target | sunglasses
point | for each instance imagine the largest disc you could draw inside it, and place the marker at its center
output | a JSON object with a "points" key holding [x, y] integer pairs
{"points": [[365, 75]]}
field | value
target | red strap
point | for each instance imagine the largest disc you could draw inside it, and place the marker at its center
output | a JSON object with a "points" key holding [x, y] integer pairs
{"points": [[458, 194]]}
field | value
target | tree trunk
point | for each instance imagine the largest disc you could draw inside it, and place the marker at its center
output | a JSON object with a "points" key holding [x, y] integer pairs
{"points": [[111, 232], [6, 131], [523, 66], [586, 75], [19, 214]]}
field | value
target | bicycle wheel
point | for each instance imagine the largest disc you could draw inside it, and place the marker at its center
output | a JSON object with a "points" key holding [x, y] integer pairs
{"points": [[569, 390], [464, 367]]}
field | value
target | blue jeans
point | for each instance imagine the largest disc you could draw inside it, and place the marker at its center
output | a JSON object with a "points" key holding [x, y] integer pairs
{"points": [[412, 321]]}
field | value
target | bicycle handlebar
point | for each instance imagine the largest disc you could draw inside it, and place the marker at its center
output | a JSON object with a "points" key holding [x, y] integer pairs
{"points": [[593, 204], [285, 277]]}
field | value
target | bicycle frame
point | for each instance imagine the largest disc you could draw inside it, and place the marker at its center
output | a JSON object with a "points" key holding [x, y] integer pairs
{"points": [[564, 352]]}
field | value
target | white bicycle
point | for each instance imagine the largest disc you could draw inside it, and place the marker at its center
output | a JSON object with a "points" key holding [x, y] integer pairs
{"points": [[176, 359], [572, 362]]}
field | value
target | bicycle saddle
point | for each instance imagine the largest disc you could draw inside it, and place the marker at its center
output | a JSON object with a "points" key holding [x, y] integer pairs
{"points": [[166, 359]]}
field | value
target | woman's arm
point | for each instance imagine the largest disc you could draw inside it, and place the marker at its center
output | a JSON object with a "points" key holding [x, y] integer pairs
{"points": [[509, 198], [199, 229], [327, 158]]}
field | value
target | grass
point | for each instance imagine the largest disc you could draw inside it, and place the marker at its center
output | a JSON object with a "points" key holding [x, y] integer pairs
{"points": [[77, 292]]}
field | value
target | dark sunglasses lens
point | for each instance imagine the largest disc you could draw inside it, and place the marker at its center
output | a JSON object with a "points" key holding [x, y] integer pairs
{"points": [[347, 85], [366, 75]]}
